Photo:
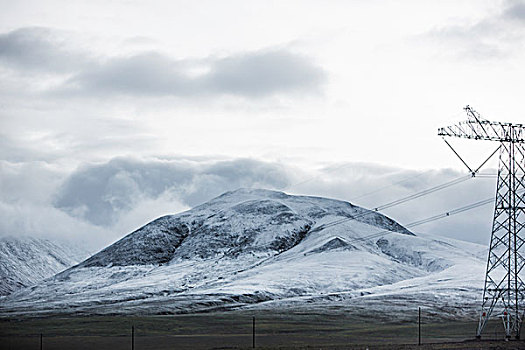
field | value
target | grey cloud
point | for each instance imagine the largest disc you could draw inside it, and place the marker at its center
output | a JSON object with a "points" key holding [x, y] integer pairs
{"points": [[515, 10], [495, 36], [44, 221], [97, 204], [102, 193], [26, 190], [262, 73], [253, 74], [32, 181], [150, 73], [145, 74], [38, 49], [19, 150], [14, 151]]}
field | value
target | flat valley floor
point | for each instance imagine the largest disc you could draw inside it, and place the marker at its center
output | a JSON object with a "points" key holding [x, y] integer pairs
{"points": [[233, 330]]}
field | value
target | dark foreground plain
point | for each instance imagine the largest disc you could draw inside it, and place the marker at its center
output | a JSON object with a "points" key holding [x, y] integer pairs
{"points": [[233, 330]]}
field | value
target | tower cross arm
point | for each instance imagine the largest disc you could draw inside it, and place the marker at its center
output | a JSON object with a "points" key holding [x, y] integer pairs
{"points": [[479, 129]]}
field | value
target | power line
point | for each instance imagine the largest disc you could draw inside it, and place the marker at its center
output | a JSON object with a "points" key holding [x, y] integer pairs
{"points": [[453, 212], [423, 193], [361, 195], [430, 219], [433, 218], [390, 185], [405, 199], [399, 201]]}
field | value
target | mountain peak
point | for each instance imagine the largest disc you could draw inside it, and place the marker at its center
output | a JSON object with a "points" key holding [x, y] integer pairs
{"points": [[244, 221]]}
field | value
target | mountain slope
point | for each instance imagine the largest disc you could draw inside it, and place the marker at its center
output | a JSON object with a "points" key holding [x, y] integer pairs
{"points": [[255, 248], [25, 261]]}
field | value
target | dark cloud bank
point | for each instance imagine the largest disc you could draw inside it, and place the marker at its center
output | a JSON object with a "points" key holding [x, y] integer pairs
{"points": [[100, 193], [100, 203], [247, 74]]}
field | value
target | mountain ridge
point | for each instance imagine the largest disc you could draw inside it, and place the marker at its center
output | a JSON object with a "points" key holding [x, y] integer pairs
{"points": [[254, 248]]}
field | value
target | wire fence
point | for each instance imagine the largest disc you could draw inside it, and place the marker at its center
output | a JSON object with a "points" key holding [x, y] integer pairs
{"points": [[233, 330]]}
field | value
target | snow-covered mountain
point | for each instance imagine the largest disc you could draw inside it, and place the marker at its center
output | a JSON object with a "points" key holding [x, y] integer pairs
{"points": [[264, 249], [25, 261]]}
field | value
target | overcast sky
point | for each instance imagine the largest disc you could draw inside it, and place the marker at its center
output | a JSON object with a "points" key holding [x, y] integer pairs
{"points": [[116, 112]]}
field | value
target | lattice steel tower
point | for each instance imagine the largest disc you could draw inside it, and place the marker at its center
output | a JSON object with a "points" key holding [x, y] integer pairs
{"points": [[504, 292]]}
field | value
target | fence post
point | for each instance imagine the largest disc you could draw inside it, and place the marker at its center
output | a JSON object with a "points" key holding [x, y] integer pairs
{"points": [[132, 337], [253, 332], [419, 327]]}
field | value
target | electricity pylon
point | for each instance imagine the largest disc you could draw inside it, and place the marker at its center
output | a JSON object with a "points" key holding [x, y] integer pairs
{"points": [[504, 292]]}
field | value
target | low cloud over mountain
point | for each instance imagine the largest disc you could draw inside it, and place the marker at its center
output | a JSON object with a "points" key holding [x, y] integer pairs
{"points": [[100, 202]]}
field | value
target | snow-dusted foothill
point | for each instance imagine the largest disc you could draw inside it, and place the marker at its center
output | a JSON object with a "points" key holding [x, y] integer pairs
{"points": [[25, 261], [264, 249]]}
